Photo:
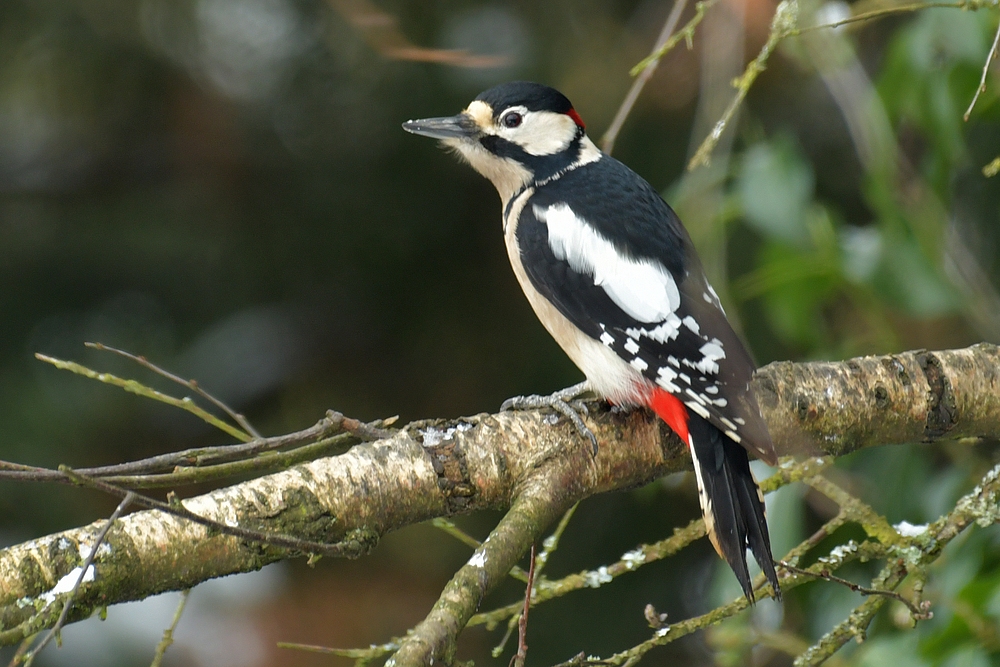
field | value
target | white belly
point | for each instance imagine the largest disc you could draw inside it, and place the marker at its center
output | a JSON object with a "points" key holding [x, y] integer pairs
{"points": [[609, 375]]}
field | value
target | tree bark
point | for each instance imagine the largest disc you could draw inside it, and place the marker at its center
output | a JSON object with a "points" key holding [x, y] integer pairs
{"points": [[526, 461]]}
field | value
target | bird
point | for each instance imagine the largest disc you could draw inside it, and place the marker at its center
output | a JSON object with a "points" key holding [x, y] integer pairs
{"points": [[612, 274]]}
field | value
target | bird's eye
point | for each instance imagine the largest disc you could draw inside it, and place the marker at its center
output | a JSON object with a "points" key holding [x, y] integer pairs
{"points": [[512, 120]]}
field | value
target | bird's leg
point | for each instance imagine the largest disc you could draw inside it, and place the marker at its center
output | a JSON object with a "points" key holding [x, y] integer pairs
{"points": [[565, 401]]}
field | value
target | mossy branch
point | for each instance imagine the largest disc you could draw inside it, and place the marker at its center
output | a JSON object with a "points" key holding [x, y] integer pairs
{"points": [[523, 462]]}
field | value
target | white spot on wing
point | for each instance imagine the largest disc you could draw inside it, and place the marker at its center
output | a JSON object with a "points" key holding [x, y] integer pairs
{"points": [[631, 346], [644, 289], [691, 324], [607, 339], [697, 407], [639, 364], [665, 378], [711, 353], [696, 396]]}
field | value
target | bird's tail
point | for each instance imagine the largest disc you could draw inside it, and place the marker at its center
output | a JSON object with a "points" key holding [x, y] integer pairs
{"points": [[731, 502]]}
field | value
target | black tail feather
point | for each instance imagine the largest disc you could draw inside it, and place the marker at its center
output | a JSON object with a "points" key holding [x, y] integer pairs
{"points": [[731, 502]]}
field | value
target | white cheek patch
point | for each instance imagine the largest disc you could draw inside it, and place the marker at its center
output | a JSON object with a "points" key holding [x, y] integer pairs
{"points": [[643, 288], [541, 132]]}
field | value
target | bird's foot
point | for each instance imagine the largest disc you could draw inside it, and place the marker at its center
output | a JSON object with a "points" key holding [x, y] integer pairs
{"points": [[565, 401]]}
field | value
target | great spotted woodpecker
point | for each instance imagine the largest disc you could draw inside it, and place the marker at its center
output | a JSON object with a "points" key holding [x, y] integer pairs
{"points": [[613, 276]]}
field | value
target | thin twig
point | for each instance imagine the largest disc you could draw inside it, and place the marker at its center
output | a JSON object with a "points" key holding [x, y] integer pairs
{"points": [[920, 612], [168, 634], [209, 463], [88, 562], [522, 623], [782, 25], [381, 30], [608, 140], [142, 390], [339, 549], [450, 528], [879, 13], [538, 563], [686, 33], [551, 543], [22, 649], [189, 384], [581, 659], [648, 553], [982, 82], [362, 656]]}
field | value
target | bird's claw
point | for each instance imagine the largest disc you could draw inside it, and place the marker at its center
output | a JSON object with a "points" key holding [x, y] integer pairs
{"points": [[564, 402]]}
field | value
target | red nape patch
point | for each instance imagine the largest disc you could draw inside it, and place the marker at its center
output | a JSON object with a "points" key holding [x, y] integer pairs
{"points": [[670, 409], [576, 118]]}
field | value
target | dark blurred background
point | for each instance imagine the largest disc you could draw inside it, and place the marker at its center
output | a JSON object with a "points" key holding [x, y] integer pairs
{"points": [[223, 186]]}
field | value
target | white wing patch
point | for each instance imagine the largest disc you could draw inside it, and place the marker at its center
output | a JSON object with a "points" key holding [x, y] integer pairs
{"points": [[646, 291], [643, 288]]}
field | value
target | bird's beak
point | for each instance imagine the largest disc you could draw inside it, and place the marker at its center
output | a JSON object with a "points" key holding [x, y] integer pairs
{"points": [[461, 126]]}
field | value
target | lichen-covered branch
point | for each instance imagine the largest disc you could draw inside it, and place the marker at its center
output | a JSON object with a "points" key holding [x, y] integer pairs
{"points": [[442, 468]]}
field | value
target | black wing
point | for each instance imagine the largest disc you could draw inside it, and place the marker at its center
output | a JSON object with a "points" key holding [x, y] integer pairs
{"points": [[692, 351]]}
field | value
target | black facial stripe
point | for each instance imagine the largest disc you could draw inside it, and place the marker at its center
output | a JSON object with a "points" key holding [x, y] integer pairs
{"points": [[541, 166]]}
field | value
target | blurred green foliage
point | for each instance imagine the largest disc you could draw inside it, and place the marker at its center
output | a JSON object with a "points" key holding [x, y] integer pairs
{"points": [[222, 186]]}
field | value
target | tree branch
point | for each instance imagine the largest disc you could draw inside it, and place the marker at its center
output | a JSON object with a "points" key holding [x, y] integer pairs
{"points": [[516, 460]]}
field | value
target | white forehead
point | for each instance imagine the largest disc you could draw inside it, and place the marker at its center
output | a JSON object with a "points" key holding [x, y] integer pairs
{"points": [[541, 132]]}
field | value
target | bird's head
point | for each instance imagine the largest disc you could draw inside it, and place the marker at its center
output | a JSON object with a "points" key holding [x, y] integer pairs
{"points": [[513, 134]]}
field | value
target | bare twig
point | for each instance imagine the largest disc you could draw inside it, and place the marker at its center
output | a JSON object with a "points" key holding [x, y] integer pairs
{"points": [[886, 11], [138, 388], [782, 25], [920, 612], [381, 31], [340, 549], [522, 623], [551, 543], [210, 463], [168, 634], [189, 384], [88, 563], [649, 553], [986, 68], [686, 33], [450, 528], [608, 140]]}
